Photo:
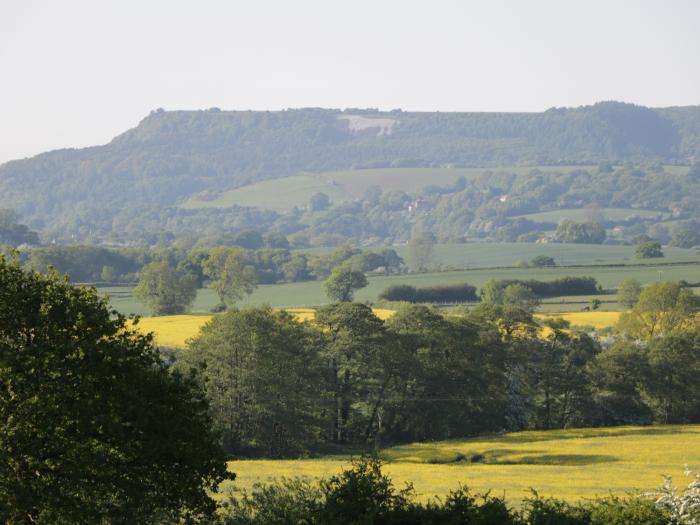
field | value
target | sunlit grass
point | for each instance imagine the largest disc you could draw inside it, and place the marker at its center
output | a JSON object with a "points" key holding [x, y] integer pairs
{"points": [[569, 464]]}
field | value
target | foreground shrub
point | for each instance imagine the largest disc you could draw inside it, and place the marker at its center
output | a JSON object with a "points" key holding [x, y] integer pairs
{"points": [[684, 505]]}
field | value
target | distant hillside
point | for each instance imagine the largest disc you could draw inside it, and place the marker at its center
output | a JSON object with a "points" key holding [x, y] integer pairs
{"points": [[171, 156]]}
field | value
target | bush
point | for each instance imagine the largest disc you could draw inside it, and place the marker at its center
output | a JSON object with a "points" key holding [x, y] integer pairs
{"points": [[456, 293], [543, 261]]}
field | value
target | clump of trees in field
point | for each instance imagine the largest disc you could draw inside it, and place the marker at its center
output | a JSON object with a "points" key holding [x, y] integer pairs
{"points": [[493, 289], [580, 232], [283, 388], [454, 293]]}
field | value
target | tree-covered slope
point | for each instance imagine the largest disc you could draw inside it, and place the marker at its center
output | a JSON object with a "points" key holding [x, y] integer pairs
{"points": [[171, 155]]}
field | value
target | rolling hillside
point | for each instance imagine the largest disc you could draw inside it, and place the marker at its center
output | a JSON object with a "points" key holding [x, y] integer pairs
{"points": [[136, 182]]}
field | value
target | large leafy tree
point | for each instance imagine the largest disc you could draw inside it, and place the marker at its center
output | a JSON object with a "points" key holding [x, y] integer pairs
{"points": [[420, 250], [230, 277], [164, 291], [661, 308], [648, 250], [357, 353], [93, 426], [260, 370], [343, 282], [628, 292]]}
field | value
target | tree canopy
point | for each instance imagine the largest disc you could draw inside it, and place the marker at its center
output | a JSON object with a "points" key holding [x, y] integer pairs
{"points": [[93, 426], [343, 282], [164, 291]]}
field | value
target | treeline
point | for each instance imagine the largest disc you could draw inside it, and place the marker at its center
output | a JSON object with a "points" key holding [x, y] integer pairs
{"points": [[269, 263], [455, 293], [364, 494], [555, 288], [283, 388]]}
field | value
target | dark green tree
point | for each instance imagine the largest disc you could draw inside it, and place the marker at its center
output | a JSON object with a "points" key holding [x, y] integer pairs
{"points": [[93, 426], [12, 233], [356, 351], [260, 373], [617, 375], [164, 291], [648, 250], [343, 282], [580, 232], [319, 201], [521, 296], [231, 277], [543, 261], [674, 368]]}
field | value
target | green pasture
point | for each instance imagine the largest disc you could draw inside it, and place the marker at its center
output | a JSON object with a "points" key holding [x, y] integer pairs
{"points": [[277, 194], [498, 254], [311, 293], [285, 193], [582, 214]]}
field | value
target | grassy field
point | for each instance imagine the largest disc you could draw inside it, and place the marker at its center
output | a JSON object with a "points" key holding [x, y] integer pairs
{"points": [[499, 254], [284, 193], [277, 194], [610, 214], [311, 293], [568, 464]]}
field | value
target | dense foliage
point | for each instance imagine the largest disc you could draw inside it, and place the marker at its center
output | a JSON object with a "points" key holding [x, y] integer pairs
{"points": [[449, 293], [91, 264], [12, 233], [283, 388], [94, 428], [558, 287], [164, 291]]}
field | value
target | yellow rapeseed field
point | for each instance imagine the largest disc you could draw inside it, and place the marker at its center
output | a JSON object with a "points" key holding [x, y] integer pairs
{"points": [[175, 330], [597, 320], [568, 464]]}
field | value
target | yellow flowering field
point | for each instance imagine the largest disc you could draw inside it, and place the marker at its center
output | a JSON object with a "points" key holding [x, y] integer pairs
{"points": [[597, 320], [175, 330], [568, 464]]}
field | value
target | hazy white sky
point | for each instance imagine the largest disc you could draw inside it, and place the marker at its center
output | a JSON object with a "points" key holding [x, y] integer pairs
{"points": [[76, 73]]}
